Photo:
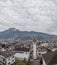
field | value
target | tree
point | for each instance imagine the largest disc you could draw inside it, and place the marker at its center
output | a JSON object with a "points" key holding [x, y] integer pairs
{"points": [[41, 61]]}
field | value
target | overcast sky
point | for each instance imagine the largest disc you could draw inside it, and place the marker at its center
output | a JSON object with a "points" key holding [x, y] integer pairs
{"points": [[29, 15]]}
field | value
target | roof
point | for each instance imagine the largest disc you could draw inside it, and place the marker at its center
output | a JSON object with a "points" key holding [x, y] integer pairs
{"points": [[43, 49], [22, 49], [50, 58], [7, 53]]}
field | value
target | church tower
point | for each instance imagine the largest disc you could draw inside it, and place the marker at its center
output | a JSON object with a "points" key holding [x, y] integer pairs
{"points": [[34, 49]]}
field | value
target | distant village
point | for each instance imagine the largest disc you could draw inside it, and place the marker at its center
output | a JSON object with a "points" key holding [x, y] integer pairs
{"points": [[33, 52]]}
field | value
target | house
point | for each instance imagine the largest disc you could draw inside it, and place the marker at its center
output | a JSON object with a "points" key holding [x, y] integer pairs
{"points": [[7, 57], [45, 44], [54, 48], [6, 46], [50, 58], [22, 53], [41, 51]]}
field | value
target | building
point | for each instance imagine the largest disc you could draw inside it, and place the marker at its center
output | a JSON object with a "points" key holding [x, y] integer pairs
{"points": [[45, 44], [34, 42], [54, 48], [50, 58], [41, 51], [7, 57], [22, 53]]}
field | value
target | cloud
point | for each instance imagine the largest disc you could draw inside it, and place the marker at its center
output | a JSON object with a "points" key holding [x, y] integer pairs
{"points": [[29, 15]]}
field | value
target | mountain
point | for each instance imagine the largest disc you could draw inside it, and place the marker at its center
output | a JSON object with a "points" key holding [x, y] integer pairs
{"points": [[15, 33]]}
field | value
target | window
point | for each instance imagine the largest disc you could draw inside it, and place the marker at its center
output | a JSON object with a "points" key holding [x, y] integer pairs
{"points": [[0, 53], [21, 52], [3, 59], [12, 60], [13, 57], [26, 52], [8, 58], [39, 53], [9, 63]]}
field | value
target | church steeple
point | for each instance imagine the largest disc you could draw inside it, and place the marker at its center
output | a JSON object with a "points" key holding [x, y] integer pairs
{"points": [[34, 49]]}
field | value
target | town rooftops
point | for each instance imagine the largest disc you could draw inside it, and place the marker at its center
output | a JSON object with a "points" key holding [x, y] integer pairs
{"points": [[6, 53], [51, 58], [22, 49], [41, 49]]}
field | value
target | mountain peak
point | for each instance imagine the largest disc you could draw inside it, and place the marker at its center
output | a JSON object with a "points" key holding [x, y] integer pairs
{"points": [[13, 29]]}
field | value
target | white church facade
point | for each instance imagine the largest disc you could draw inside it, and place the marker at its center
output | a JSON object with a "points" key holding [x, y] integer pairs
{"points": [[22, 53]]}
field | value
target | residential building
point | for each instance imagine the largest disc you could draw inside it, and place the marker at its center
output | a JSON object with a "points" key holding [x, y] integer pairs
{"points": [[41, 51], [7, 57], [50, 58]]}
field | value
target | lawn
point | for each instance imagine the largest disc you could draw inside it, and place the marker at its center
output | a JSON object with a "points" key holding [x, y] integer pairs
{"points": [[19, 63]]}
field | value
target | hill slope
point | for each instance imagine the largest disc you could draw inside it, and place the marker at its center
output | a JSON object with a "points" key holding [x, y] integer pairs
{"points": [[14, 33]]}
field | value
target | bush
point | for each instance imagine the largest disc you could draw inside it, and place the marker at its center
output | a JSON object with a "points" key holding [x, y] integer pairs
{"points": [[41, 61], [19, 63]]}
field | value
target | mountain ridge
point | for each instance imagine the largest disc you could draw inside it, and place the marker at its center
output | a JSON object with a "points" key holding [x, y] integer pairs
{"points": [[15, 33]]}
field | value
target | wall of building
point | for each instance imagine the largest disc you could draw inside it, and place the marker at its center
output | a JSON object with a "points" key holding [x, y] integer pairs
{"points": [[41, 53], [7, 61], [34, 51], [44, 62], [44, 44], [23, 55], [10, 60], [2, 59]]}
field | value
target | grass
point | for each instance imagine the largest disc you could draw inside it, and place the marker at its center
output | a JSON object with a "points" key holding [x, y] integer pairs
{"points": [[19, 63]]}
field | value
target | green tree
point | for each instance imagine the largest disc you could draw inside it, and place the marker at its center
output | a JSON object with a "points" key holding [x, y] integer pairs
{"points": [[41, 61]]}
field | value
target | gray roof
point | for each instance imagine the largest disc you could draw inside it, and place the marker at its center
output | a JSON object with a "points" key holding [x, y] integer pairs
{"points": [[7, 53], [22, 49], [50, 58]]}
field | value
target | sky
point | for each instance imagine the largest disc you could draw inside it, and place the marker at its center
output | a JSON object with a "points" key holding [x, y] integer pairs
{"points": [[29, 15]]}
